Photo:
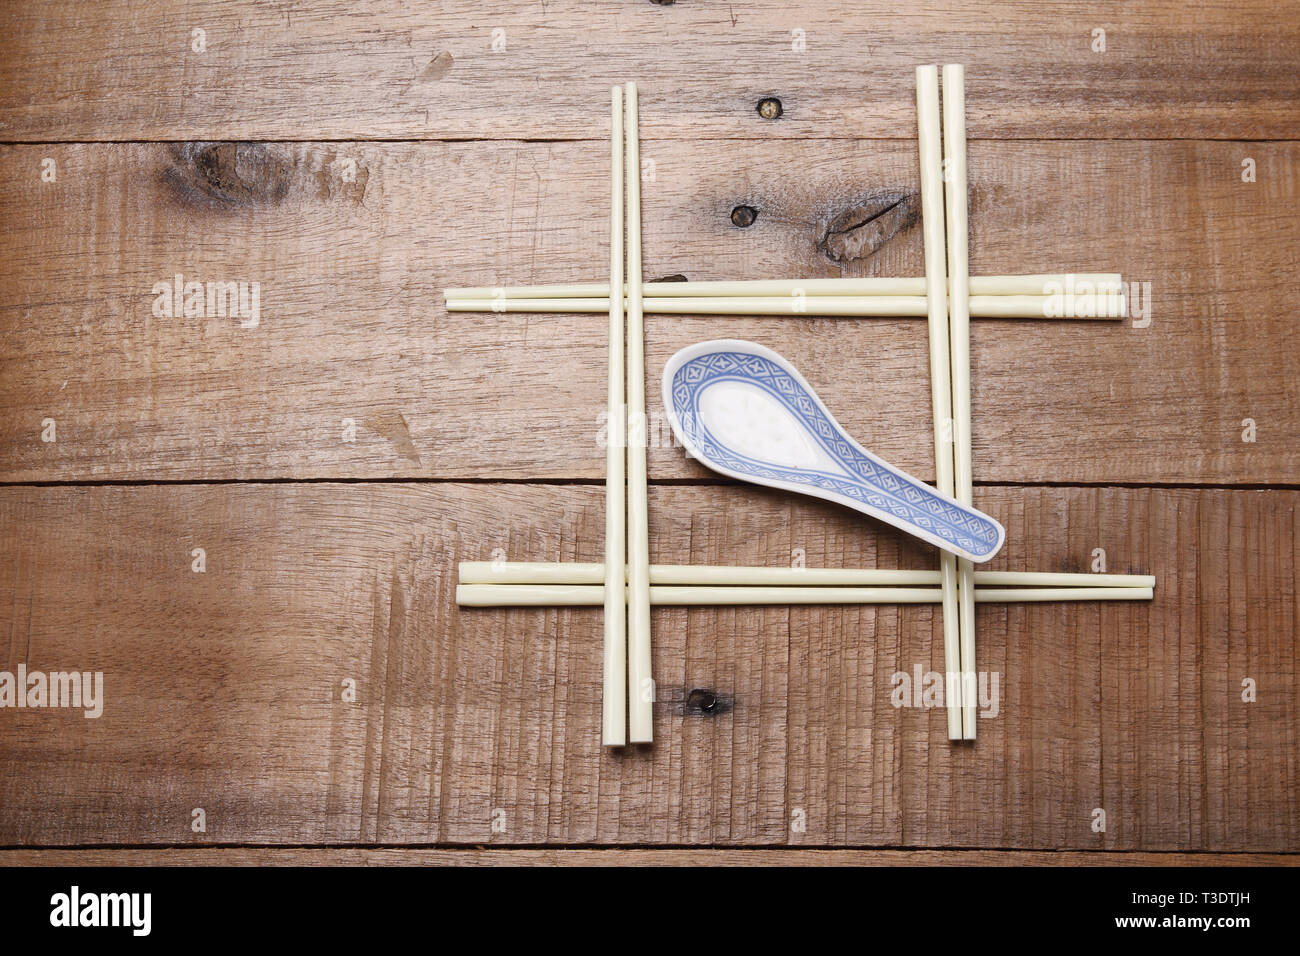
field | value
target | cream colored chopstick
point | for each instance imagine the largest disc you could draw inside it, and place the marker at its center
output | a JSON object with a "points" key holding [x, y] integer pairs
{"points": [[757, 288], [954, 152], [614, 701], [640, 681], [577, 572], [580, 595], [927, 116], [902, 306]]}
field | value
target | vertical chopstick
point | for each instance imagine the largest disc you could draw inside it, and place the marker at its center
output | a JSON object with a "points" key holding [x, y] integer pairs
{"points": [[614, 713], [954, 151], [640, 684], [932, 212]]}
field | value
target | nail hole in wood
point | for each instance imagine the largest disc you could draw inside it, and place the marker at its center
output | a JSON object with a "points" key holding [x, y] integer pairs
{"points": [[701, 701], [743, 216]]}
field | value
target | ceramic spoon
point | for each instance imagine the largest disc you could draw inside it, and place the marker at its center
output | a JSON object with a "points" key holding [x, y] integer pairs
{"points": [[744, 411]]}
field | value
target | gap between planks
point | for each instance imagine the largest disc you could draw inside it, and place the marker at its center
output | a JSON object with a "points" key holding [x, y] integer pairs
{"points": [[580, 482]]}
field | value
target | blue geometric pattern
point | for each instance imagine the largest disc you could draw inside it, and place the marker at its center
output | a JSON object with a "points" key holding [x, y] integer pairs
{"points": [[878, 486]]}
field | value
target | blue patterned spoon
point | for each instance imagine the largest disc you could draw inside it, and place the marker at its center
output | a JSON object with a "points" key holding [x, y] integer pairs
{"points": [[744, 411]]}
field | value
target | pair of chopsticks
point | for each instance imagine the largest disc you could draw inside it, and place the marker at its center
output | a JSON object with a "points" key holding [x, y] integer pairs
{"points": [[1081, 296], [539, 583], [943, 195], [626, 661], [953, 601]]}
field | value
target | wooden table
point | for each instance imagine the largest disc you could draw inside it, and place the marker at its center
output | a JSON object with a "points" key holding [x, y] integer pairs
{"points": [[314, 690]]}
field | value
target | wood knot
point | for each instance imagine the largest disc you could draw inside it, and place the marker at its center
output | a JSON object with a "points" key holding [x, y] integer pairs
{"points": [[439, 66], [675, 277], [232, 174], [770, 108], [859, 231], [392, 425], [744, 216]]}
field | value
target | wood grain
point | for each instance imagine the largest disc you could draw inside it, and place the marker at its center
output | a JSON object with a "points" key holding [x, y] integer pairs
{"points": [[341, 70], [223, 688], [483, 856], [354, 159], [352, 244]]}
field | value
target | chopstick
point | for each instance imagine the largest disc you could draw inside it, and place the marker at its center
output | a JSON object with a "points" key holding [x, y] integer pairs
{"points": [[902, 306], [614, 701], [640, 681], [579, 595], [571, 572], [927, 116], [748, 288], [954, 150]]}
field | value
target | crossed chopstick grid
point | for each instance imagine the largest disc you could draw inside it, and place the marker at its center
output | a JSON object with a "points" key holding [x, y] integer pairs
{"points": [[947, 295]]}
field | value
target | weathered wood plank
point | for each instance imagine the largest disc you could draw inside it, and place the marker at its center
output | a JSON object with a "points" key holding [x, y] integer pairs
{"points": [[223, 689], [482, 856], [352, 244], [391, 69]]}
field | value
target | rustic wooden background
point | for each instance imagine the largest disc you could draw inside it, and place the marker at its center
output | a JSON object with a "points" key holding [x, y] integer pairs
{"points": [[356, 158]]}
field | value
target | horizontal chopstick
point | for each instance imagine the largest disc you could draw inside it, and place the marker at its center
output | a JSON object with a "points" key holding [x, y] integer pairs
{"points": [[747, 288], [902, 306], [569, 573], [580, 595]]}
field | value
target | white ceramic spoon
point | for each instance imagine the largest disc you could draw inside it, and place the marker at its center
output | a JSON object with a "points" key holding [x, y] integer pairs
{"points": [[744, 411]]}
